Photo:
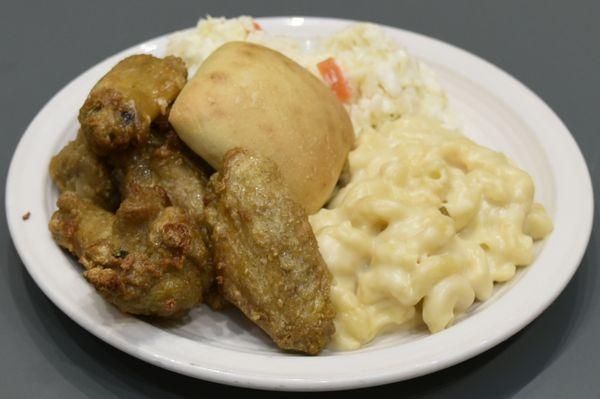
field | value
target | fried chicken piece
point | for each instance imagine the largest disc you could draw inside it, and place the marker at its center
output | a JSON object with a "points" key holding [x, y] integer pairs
{"points": [[165, 260], [268, 262], [83, 228], [77, 168], [121, 106], [166, 162], [146, 259]]}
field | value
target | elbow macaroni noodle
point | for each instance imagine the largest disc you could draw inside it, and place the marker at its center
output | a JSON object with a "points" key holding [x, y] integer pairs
{"points": [[427, 223]]}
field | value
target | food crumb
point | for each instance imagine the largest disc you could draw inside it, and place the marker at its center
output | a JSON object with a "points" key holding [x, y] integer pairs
{"points": [[26, 216]]}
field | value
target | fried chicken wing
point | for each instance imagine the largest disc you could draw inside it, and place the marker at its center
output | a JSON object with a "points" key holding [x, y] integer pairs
{"points": [[146, 259], [268, 262], [121, 106], [166, 162], [77, 168], [83, 228]]}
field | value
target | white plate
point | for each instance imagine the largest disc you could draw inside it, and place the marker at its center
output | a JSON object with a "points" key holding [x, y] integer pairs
{"points": [[499, 111]]}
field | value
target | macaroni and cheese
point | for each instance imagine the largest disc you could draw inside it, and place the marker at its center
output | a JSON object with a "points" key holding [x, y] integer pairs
{"points": [[428, 222]]}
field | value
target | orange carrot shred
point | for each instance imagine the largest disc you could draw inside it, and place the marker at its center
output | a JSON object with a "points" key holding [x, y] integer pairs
{"points": [[332, 74]]}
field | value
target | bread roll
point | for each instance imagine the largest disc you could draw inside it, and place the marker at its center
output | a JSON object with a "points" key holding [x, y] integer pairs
{"points": [[246, 95]]}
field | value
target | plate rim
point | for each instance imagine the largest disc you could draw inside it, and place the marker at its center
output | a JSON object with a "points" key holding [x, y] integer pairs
{"points": [[290, 383]]}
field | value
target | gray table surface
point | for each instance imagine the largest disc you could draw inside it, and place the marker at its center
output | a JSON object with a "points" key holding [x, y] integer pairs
{"points": [[551, 46]]}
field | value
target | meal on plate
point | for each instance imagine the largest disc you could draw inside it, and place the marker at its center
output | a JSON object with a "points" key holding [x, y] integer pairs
{"points": [[326, 191]]}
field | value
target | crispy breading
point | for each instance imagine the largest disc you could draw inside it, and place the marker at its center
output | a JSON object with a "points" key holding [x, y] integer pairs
{"points": [[121, 106], [77, 168], [151, 256], [83, 228], [146, 259], [166, 162], [268, 262]]}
